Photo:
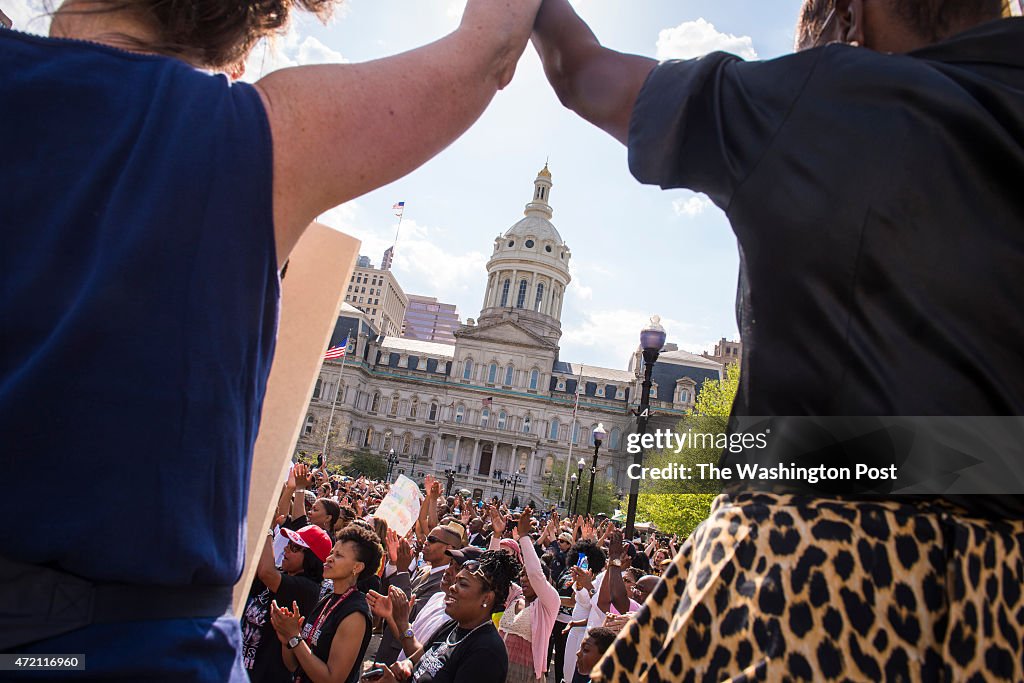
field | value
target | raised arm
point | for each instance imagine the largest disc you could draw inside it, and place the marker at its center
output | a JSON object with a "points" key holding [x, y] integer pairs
{"points": [[342, 130], [546, 593], [599, 84]]}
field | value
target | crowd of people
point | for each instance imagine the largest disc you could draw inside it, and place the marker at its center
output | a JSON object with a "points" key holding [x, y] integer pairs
{"points": [[474, 591]]}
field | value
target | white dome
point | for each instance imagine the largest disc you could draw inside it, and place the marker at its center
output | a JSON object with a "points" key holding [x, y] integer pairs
{"points": [[535, 227]]}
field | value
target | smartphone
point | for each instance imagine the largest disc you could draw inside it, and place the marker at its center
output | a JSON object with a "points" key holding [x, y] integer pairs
{"points": [[320, 461], [583, 562], [372, 675]]}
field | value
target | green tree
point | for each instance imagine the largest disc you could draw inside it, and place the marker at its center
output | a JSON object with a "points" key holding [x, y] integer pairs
{"points": [[606, 498], [363, 463], [677, 506]]}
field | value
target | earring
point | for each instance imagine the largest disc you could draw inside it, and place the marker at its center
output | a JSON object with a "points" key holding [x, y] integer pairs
{"points": [[485, 604]]}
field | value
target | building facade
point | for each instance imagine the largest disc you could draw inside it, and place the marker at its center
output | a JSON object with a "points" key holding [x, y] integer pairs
{"points": [[428, 319], [377, 293], [499, 401]]}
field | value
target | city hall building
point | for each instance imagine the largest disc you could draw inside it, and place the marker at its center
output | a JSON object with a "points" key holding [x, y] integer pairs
{"points": [[500, 401]]}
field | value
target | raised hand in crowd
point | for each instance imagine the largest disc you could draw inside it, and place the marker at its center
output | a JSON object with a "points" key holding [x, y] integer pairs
{"points": [[525, 524], [497, 521], [287, 623], [616, 621], [583, 578], [404, 555], [392, 546], [467, 514]]}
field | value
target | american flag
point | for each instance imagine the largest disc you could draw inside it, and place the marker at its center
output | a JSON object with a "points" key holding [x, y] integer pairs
{"points": [[399, 208], [338, 351]]}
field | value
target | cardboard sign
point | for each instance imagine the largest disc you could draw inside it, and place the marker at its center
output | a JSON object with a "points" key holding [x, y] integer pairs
{"points": [[401, 507]]}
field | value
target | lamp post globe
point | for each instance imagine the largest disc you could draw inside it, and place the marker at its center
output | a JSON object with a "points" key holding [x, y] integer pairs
{"points": [[652, 340], [599, 434]]}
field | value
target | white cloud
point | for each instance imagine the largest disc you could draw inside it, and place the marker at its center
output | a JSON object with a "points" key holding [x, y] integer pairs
{"points": [[691, 206], [697, 38], [576, 286], [618, 330], [287, 51]]}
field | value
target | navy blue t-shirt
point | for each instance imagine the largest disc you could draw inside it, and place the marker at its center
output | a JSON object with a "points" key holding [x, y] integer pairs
{"points": [[139, 305]]}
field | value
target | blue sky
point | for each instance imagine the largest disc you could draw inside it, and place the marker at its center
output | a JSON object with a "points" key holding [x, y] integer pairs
{"points": [[637, 250]]}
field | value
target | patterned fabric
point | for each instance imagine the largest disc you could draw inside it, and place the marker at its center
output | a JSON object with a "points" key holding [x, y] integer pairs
{"points": [[516, 621], [520, 660], [774, 587], [254, 618]]}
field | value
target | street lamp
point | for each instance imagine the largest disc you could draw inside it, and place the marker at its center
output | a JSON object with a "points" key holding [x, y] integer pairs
{"points": [[392, 460], [599, 434], [578, 478], [516, 477], [652, 340], [499, 476], [450, 475], [572, 489]]}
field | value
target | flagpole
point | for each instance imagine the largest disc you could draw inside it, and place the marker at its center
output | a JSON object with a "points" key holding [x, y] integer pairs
{"points": [[334, 401], [572, 432]]}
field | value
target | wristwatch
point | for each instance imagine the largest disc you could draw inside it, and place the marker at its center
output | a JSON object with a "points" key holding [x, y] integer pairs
{"points": [[408, 633], [294, 641], [616, 562]]}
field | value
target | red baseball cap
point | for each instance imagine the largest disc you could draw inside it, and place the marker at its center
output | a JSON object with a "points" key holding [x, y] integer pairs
{"points": [[312, 537]]}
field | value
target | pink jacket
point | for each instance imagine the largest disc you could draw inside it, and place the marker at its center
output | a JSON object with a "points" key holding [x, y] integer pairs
{"points": [[545, 606]]}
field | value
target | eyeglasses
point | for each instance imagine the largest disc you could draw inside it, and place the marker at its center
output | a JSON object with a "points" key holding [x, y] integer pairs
{"points": [[435, 539], [294, 547]]}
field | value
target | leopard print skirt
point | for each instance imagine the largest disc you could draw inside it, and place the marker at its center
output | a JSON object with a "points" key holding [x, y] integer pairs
{"points": [[789, 588]]}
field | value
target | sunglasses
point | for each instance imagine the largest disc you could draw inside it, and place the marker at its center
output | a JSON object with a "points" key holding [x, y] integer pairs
{"points": [[294, 547], [435, 539], [473, 567]]}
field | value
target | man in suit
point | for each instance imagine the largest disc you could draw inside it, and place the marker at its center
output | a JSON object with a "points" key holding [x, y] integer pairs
{"points": [[425, 582]]}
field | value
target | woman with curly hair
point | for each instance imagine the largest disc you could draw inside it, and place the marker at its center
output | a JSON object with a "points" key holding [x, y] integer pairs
{"points": [[468, 649], [329, 645], [178, 186]]}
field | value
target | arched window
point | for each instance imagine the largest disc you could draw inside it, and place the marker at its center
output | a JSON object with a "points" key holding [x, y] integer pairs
{"points": [[375, 404], [534, 378], [539, 298], [502, 419], [406, 444], [386, 441], [393, 411], [521, 297], [509, 374], [576, 434], [553, 431], [485, 415], [460, 414], [308, 429], [492, 373], [526, 425], [368, 441], [433, 412], [427, 443], [318, 387], [613, 441], [504, 292], [467, 369]]}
